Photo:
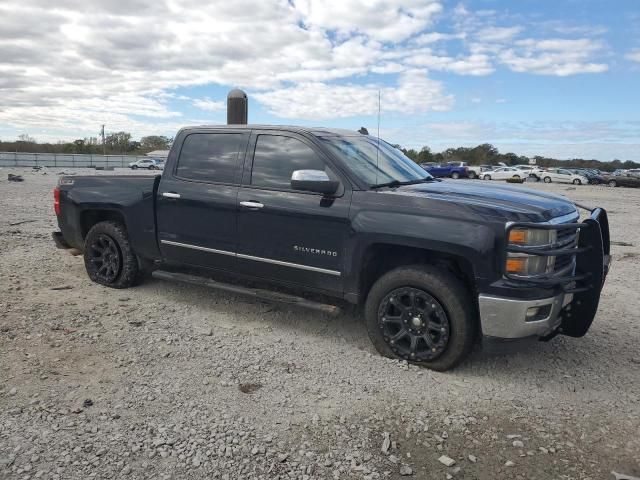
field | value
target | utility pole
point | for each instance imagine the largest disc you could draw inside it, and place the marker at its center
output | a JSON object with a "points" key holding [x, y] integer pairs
{"points": [[103, 145]]}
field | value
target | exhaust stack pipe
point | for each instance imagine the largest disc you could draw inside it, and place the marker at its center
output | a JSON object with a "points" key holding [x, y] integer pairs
{"points": [[237, 107]]}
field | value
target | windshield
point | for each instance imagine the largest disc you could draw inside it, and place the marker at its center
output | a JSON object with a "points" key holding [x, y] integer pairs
{"points": [[374, 167]]}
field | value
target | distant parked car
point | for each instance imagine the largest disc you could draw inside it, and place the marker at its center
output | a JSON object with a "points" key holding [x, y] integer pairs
{"points": [[531, 170], [562, 175], [624, 180], [475, 171], [148, 163], [452, 169], [592, 176], [503, 173]]}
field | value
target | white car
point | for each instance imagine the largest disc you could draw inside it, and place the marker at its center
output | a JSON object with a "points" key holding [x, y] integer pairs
{"points": [[531, 170], [475, 171], [561, 175], [148, 163], [503, 173]]}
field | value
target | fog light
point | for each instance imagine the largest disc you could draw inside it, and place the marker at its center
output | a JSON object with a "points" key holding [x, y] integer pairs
{"points": [[537, 313], [532, 312]]}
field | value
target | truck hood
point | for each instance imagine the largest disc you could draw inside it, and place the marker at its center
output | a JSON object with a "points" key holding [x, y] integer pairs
{"points": [[492, 199]]}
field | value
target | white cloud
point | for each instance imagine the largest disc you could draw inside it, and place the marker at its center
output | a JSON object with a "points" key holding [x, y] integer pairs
{"points": [[383, 20], [414, 93], [119, 62], [474, 64], [209, 105], [633, 55], [434, 37], [560, 57], [497, 34]]}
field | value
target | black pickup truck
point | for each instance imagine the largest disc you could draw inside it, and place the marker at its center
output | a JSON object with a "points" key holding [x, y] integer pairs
{"points": [[436, 265]]}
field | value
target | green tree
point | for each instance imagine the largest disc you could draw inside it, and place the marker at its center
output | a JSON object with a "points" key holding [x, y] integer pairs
{"points": [[155, 142], [425, 155], [118, 142]]}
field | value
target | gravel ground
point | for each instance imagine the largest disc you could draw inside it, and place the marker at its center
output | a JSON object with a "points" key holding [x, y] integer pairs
{"points": [[173, 381]]}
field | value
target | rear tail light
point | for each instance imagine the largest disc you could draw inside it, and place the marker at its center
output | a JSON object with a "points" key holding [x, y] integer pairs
{"points": [[56, 201]]}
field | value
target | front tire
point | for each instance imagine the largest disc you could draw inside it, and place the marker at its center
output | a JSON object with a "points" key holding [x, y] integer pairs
{"points": [[487, 177], [421, 314], [577, 181], [109, 258], [472, 175], [612, 183], [547, 179], [134, 167]]}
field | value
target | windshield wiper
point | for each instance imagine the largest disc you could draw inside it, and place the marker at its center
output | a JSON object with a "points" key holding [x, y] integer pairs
{"points": [[398, 183]]}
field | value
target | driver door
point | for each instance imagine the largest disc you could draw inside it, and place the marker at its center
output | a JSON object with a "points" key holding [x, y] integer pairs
{"points": [[287, 235]]}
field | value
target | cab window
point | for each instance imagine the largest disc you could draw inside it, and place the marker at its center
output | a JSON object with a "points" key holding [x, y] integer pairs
{"points": [[276, 157]]}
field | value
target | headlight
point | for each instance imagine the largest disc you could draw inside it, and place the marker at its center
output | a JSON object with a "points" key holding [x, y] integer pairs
{"points": [[524, 264]]}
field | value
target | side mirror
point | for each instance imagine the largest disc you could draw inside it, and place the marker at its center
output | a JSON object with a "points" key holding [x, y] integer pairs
{"points": [[313, 181]]}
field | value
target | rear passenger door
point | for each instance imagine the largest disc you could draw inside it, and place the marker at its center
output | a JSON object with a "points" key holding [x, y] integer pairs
{"points": [[287, 235], [196, 203]]}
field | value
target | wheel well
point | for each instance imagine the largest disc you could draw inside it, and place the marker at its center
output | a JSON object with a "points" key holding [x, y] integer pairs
{"points": [[89, 218], [381, 258]]}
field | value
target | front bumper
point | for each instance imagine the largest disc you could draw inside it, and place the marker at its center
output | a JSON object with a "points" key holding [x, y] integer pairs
{"points": [[574, 296], [510, 318]]}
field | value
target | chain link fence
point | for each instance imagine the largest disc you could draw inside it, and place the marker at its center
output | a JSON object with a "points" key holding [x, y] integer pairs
{"points": [[66, 160]]}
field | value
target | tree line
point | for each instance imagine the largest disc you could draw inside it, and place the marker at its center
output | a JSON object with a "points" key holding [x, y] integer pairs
{"points": [[121, 143], [115, 143], [487, 154]]}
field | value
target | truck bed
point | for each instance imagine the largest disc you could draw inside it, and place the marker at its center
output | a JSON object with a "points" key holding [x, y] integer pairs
{"points": [[131, 197]]}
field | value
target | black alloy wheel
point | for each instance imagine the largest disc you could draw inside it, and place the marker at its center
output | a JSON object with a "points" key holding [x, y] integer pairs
{"points": [[413, 324], [105, 257]]}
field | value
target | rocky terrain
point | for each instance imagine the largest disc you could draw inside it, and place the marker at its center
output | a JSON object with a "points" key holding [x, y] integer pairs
{"points": [[170, 381]]}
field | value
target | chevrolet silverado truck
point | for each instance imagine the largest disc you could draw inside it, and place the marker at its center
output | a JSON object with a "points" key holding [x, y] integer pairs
{"points": [[437, 266]]}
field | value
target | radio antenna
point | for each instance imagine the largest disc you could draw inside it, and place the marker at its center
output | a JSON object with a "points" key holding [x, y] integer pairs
{"points": [[378, 146]]}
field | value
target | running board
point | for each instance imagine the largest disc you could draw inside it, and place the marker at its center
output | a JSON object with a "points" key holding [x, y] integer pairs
{"points": [[253, 292]]}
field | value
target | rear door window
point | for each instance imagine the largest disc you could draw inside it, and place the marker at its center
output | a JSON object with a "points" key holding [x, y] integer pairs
{"points": [[209, 157], [276, 157]]}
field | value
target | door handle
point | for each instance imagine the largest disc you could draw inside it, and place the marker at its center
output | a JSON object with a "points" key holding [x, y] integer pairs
{"points": [[252, 205], [170, 195]]}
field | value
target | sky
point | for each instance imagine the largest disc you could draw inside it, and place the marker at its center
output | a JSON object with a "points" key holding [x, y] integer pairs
{"points": [[558, 78]]}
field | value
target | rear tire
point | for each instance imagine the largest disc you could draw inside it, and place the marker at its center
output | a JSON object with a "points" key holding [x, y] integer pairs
{"points": [[109, 258], [472, 175], [455, 175], [577, 182], [547, 179], [517, 176], [438, 305]]}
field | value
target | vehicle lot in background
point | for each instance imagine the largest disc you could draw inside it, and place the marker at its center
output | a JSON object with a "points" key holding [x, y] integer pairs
{"points": [[503, 173], [592, 176], [451, 169], [147, 163], [561, 175], [623, 180], [173, 369], [475, 171]]}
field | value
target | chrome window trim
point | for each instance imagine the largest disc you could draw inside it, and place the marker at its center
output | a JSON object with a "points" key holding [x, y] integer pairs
{"points": [[251, 257]]}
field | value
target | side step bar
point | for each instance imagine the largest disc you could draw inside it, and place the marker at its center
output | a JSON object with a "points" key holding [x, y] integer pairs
{"points": [[253, 292]]}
